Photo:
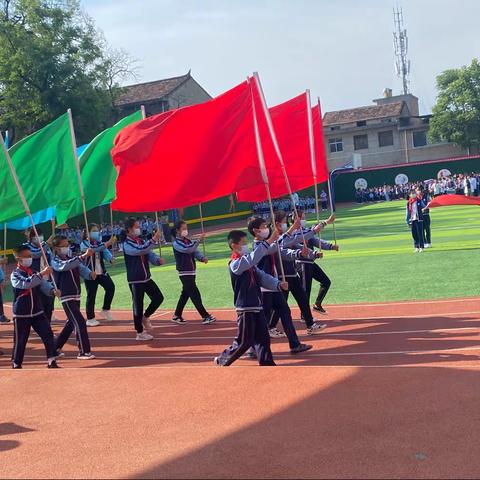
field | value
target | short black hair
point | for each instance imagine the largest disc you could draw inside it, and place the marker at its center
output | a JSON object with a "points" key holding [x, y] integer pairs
{"points": [[255, 222], [31, 232], [235, 236], [130, 222], [19, 249], [57, 239], [280, 215], [177, 226]]}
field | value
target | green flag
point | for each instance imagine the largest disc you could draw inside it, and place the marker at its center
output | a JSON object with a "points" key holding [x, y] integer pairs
{"points": [[97, 171], [45, 167]]}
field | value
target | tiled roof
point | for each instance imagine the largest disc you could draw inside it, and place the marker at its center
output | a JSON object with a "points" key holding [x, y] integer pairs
{"points": [[145, 92], [363, 113]]}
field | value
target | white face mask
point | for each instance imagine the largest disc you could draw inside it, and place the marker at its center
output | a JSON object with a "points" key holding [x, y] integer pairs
{"points": [[264, 233], [65, 251], [26, 262], [40, 239], [184, 233], [284, 227], [137, 232], [245, 250], [303, 223], [95, 236]]}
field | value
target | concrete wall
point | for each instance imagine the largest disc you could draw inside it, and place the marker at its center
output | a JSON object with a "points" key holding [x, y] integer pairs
{"points": [[189, 93]]}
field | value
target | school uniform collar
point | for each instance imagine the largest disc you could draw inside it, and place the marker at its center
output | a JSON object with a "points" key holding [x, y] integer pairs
{"points": [[27, 270]]}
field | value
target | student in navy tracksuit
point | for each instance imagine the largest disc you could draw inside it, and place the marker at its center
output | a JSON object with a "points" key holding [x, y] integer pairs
{"points": [[309, 270], [274, 300], [38, 264], [3, 318], [96, 262], [67, 273], [247, 279], [427, 235], [414, 219], [186, 253], [138, 254], [293, 238], [28, 308]]}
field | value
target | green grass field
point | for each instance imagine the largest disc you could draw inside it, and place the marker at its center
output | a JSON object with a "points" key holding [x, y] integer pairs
{"points": [[375, 263]]}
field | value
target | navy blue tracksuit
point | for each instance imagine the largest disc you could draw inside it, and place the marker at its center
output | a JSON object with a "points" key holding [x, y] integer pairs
{"points": [[252, 327], [67, 272], [28, 287], [186, 253], [138, 254], [38, 264]]}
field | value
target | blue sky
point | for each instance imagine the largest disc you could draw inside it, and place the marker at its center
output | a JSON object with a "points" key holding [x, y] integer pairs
{"points": [[340, 49]]}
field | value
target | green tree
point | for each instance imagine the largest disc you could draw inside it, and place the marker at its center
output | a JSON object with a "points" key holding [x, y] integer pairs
{"points": [[456, 115], [53, 58]]}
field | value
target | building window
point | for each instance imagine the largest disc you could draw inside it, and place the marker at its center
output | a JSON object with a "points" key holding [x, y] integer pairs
{"points": [[362, 123], [335, 144], [385, 139], [419, 139], [360, 142], [335, 127]]}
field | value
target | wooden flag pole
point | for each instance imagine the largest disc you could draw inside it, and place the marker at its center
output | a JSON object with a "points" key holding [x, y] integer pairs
{"points": [[203, 229], [263, 171], [158, 229], [25, 204], [276, 147], [79, 179]]}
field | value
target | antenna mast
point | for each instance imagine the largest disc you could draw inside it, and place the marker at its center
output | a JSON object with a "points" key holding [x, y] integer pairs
{"points": [[400, 44]]}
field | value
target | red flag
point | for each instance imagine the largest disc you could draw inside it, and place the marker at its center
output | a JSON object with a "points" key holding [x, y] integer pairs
{"points": [[187, 156], [290, 123], [448, 200]]}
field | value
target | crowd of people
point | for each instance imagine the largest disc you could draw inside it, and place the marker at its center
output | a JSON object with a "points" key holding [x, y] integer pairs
{"points": [[50, 268], [459, 184]]}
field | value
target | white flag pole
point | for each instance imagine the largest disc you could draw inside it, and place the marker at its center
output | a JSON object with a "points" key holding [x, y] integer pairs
{"points": [[311, 141], [25, 204], [263, 171], [200, 209], [328, 183], [276, 146], [79, 178]]}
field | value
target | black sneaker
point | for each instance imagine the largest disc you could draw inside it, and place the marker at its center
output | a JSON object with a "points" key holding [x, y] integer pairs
{"points": [[303, 347], [179, 320], [208, 320], [53, 365], [4, 320], [16, 367], [320, 309]]}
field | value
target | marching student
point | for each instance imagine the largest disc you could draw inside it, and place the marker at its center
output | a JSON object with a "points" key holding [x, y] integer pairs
{"points": [[323, 200], [309, 270], [3, 318], [38, 264], [67, 273], [186, 253], [28, 308], [247, 279], [426, 231], [138, 254], [414, 219], [273, 299], [293, 237], [101, 255]]}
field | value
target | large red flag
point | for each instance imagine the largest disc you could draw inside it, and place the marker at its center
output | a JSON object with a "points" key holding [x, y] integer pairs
{"points": [[448, 200], [290, 122], [187, 156]]}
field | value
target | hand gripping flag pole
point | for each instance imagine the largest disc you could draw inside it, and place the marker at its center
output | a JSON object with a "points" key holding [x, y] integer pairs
{"points": [[25, 204]]}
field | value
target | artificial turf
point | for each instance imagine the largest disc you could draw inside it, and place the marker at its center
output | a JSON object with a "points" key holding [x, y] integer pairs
{"points": [[375, 263]]}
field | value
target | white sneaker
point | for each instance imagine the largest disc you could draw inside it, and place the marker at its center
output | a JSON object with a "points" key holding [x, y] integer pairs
{"points": [[428, 245], [147, 324], [106, 315], [416, 250], [420, 250], [316, 328], [144, 336], [275, 333], [86, 356], [92, 323]]}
